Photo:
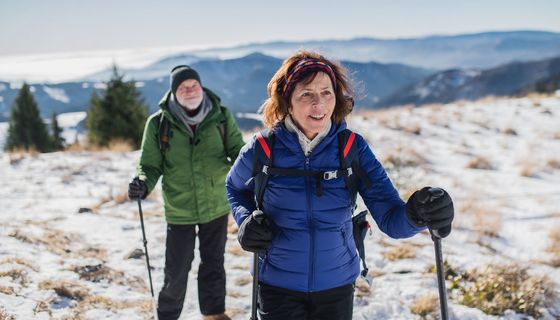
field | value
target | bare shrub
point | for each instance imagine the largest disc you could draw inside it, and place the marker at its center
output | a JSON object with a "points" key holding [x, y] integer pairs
{"points": [[498, 288], [403, 251], [425, 306], [65, 288], [479, 162]]}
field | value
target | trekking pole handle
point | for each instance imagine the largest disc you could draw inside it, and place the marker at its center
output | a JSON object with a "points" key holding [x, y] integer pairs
{"points": [[258, 216], [433, 193]]}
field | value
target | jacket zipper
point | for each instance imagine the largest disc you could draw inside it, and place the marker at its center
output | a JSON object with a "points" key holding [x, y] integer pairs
{"points": [[311, 228]]}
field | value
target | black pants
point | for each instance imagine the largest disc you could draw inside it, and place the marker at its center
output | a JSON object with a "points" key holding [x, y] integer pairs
{"points": [[179, 254], [278, 303]]}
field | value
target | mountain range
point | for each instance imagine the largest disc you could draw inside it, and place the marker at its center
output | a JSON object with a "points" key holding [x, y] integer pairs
{"points": [[384, 72]]}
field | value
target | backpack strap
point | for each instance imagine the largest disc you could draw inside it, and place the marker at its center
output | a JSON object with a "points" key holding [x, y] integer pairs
{"points": [[350, 164], [349, 159], [262, 163], [164, 133], [222, 128]]}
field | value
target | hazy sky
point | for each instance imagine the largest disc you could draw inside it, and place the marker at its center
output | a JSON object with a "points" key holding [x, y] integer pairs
{"points": [[30, 27]]}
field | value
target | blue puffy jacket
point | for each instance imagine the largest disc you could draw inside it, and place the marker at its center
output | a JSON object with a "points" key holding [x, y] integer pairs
{"points": [[312, 248]]}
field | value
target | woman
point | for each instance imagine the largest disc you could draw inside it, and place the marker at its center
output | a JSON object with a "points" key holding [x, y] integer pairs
{"points": [[308, 259]]}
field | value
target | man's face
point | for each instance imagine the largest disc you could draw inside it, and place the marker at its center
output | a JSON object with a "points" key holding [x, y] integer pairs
{"points": [[189, 94]]}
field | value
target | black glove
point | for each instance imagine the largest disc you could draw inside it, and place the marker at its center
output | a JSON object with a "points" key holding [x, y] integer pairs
{"points": [[254, 233], [137, 189], [431, 207]]}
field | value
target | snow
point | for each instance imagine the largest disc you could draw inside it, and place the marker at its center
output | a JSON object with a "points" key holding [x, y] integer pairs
{"points": [[43, 193], [57, 94]]}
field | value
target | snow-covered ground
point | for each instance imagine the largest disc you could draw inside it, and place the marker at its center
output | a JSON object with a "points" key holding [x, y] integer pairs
{"points": [[51, 246]]}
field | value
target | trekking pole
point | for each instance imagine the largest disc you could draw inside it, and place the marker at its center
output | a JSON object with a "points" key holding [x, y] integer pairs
{"points": [[154, 309], [254, 302], [436, 237]]}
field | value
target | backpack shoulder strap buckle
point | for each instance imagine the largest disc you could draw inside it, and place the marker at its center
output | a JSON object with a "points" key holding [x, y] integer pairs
{"points": [[329, 175]]}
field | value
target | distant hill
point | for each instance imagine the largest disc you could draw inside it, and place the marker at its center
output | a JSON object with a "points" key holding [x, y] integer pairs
{"points": [[470, 84], [478, 50], [241, 83]]}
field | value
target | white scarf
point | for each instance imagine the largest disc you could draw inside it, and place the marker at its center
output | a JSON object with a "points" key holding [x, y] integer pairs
{"points": [[306, 144]]}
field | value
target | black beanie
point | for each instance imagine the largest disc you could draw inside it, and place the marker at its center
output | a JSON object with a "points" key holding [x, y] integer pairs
{"points": [[180, 74]]}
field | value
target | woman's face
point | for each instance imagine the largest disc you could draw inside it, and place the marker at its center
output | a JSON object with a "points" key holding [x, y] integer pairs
{"points": [[312, 104]]}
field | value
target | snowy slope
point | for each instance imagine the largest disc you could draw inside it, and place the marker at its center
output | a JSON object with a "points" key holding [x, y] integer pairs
{"points": [[44, 240]]}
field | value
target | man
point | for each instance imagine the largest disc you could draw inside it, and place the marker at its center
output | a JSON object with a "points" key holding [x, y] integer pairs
{"points": [[193, 157]]}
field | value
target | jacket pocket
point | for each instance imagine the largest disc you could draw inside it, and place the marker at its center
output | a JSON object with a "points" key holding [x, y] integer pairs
{"points": [[351, 253]]}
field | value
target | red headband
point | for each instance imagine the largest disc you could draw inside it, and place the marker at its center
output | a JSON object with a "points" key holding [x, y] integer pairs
{"points": [[303, 68]]}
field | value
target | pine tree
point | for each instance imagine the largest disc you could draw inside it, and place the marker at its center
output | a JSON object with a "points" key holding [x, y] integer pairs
{"points": [[58, 141], [117, 113], [26, 130]]}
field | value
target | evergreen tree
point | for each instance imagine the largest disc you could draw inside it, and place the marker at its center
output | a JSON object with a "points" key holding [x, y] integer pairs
{"points": [[118, 112], [57, 140], [26, 130]]}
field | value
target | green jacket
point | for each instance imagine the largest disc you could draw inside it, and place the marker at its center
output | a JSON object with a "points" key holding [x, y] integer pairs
{"points": [[193, 168]]}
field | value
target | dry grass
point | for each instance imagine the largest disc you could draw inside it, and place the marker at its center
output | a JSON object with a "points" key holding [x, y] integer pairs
{"points": [[4, 315], [103, 273], [236, 250], [105, 303], [498, 288], [93, 252], [509, 131], [403, 251], [234, 312], [20, 261], [554, 247], [18, 275], [426, 306], [7, 290], [117, 145], [232, 225], [479, 162], [362, 288], [235, 294], [487, 220], [66, 288], [553, 164], [404, 157], [529, 171], [243, 281]]}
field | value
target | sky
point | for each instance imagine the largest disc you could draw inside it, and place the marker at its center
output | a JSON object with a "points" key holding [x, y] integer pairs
{"points": [[35, 27]]}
